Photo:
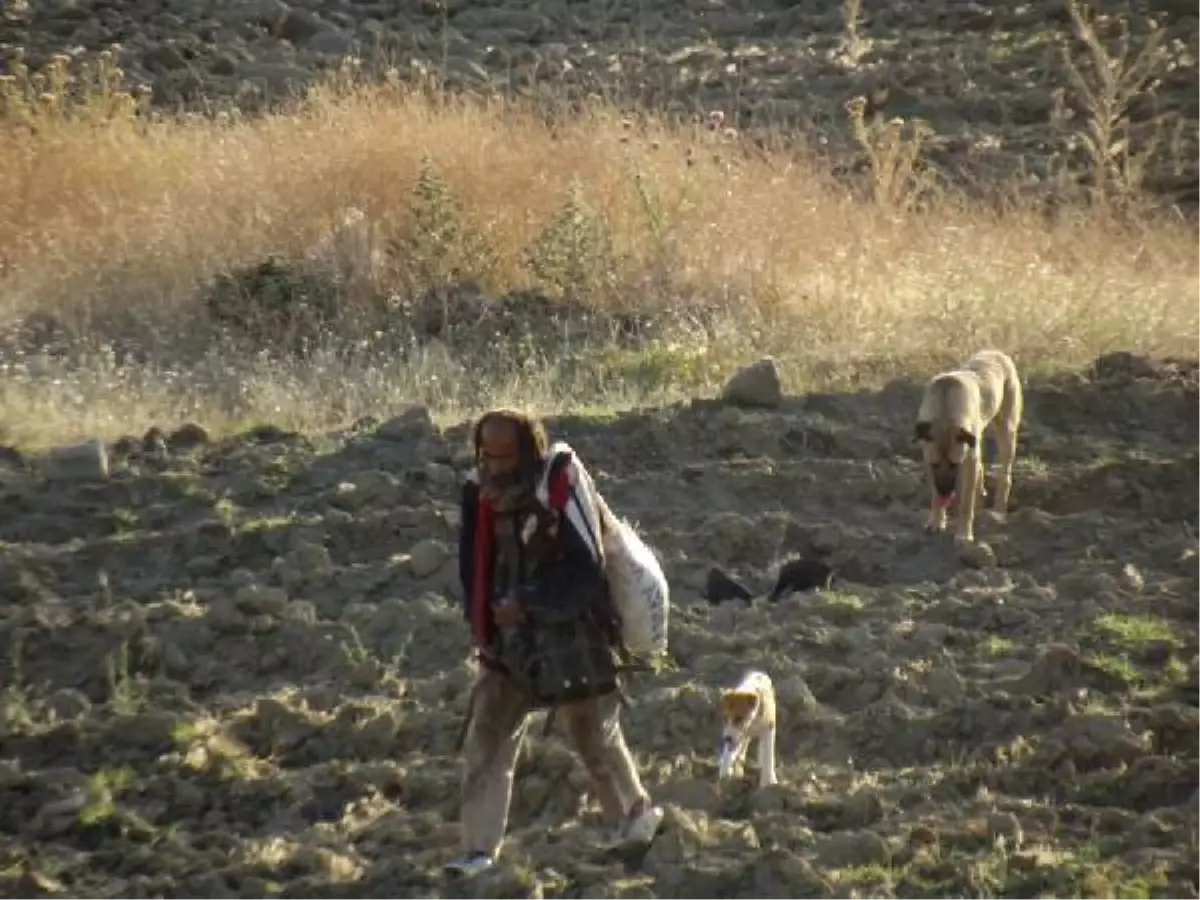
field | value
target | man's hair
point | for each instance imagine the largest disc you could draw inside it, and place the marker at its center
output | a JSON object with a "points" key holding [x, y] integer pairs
{"points": [[531, 433]]}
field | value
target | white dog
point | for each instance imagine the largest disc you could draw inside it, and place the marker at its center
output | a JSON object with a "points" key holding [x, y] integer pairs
{"points": [[748, 711]]}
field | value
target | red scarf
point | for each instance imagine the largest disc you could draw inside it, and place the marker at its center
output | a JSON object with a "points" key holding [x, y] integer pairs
{"points": [[485, 535], [481, 602]]}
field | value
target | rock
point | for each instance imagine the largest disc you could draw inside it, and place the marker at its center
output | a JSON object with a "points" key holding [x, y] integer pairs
{"points": [[332, 41], [414, 424], [844, 849], [187, 436], [1102, 741], [861, 808], [476, 18], [60, 814], [944, 684], [703, 795], [794, 694], [298, 25], [780, 873], [153, 728], [68, 703], [256, 599], [268, 13], [427, 557], [976, 554], [154, 442], [1131, 579], [1121, 364], [274, 78], [79, 462], [1057, 667], [678, 843], [755, 385]]}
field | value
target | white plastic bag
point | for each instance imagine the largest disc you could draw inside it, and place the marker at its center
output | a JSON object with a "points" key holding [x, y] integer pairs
{"points": [[639, 590]]}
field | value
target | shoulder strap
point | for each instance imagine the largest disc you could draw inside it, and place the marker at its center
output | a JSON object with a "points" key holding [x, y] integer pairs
{"points": [[558, 481], [559, 489]]}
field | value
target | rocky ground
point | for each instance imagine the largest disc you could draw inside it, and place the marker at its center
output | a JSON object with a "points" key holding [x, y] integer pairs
{"points": [[237, 667], [987, 77]]}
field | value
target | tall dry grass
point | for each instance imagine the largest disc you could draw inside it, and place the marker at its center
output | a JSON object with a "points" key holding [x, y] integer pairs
{"points": [[112, 218]]}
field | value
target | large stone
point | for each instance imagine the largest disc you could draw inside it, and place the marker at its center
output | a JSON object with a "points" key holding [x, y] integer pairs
{"points": [[414, 424], [427, 557], [79, 462], [755, 385]]}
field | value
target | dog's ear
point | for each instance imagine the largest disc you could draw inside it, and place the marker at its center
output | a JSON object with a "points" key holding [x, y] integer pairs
{"points": [[738, 704], [965, 437], [923, 432]]}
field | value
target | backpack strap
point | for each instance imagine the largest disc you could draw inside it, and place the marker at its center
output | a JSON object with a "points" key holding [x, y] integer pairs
{"points": [[559, 490], [558, 481]]}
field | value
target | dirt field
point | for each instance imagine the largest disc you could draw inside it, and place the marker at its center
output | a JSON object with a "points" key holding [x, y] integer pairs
{"points": [[232, 663], [988, 78], [236, 668]]}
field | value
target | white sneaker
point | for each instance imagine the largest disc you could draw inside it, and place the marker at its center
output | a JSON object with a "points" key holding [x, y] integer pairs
{"points": [[641, 829], [471, 864]]}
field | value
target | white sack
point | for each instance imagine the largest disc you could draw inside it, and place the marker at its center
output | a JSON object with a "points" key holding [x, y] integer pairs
{"points": [[639, 590]]}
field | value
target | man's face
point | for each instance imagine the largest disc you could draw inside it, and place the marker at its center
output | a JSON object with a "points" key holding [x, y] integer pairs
{"points": [[500, 462]]}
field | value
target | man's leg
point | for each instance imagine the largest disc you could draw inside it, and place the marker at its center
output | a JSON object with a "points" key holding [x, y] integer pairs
{"points": [[490, 754], [595, 729]]}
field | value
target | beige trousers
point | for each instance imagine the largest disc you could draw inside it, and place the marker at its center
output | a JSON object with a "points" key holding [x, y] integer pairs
{"points": [[494, 738]]}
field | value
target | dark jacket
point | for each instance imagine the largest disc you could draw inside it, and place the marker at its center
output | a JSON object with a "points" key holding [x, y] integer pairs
{"points": [[576, 570]]}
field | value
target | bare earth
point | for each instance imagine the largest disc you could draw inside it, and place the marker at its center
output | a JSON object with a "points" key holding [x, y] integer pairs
{"points": [[237, 668], [988, 77]]}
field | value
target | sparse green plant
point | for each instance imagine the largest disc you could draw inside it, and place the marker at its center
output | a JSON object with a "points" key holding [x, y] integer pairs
{"points": [[18, 706], [227, 511], [126, 519], [893, 151], [126, 693], [274, 303], [996, 645], [1134, 632], [363, 664], [102, 790], [573, 255], [438, 246]]}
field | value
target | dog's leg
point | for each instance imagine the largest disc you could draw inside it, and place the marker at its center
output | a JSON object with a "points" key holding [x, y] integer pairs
{"points": [[1006, 437], [936, 523], [739, 759], [981, 481], [971, 475], [766, 757]]}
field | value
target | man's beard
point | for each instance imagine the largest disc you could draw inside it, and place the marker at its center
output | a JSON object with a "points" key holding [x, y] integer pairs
{"points": [[508, 491]]}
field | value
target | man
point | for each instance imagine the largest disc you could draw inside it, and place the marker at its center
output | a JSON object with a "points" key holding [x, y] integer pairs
{"points": [[513, 466]]}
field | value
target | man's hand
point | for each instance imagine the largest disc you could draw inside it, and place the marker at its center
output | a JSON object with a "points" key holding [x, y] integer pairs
{"points": [[507, 612]]}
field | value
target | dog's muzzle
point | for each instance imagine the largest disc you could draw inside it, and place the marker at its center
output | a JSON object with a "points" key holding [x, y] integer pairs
{"points": [[725, 756], [945, 482]]}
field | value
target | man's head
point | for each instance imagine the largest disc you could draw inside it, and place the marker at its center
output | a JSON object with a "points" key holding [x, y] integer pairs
{"points": [[509, 449]]}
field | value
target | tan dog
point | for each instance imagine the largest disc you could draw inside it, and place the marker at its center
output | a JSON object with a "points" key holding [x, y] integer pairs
{"points": [[958, 405], [748, 711]]}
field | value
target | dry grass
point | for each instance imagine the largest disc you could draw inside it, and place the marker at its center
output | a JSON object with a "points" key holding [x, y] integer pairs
{"points": [[110, 221]]}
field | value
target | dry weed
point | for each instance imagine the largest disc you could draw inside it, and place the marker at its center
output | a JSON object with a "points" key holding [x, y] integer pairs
{"points": [[1115, 70], [114, 221]]}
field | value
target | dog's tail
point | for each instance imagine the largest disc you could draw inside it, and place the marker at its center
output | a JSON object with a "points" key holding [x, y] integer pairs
{"points": [[1013, 398]]}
